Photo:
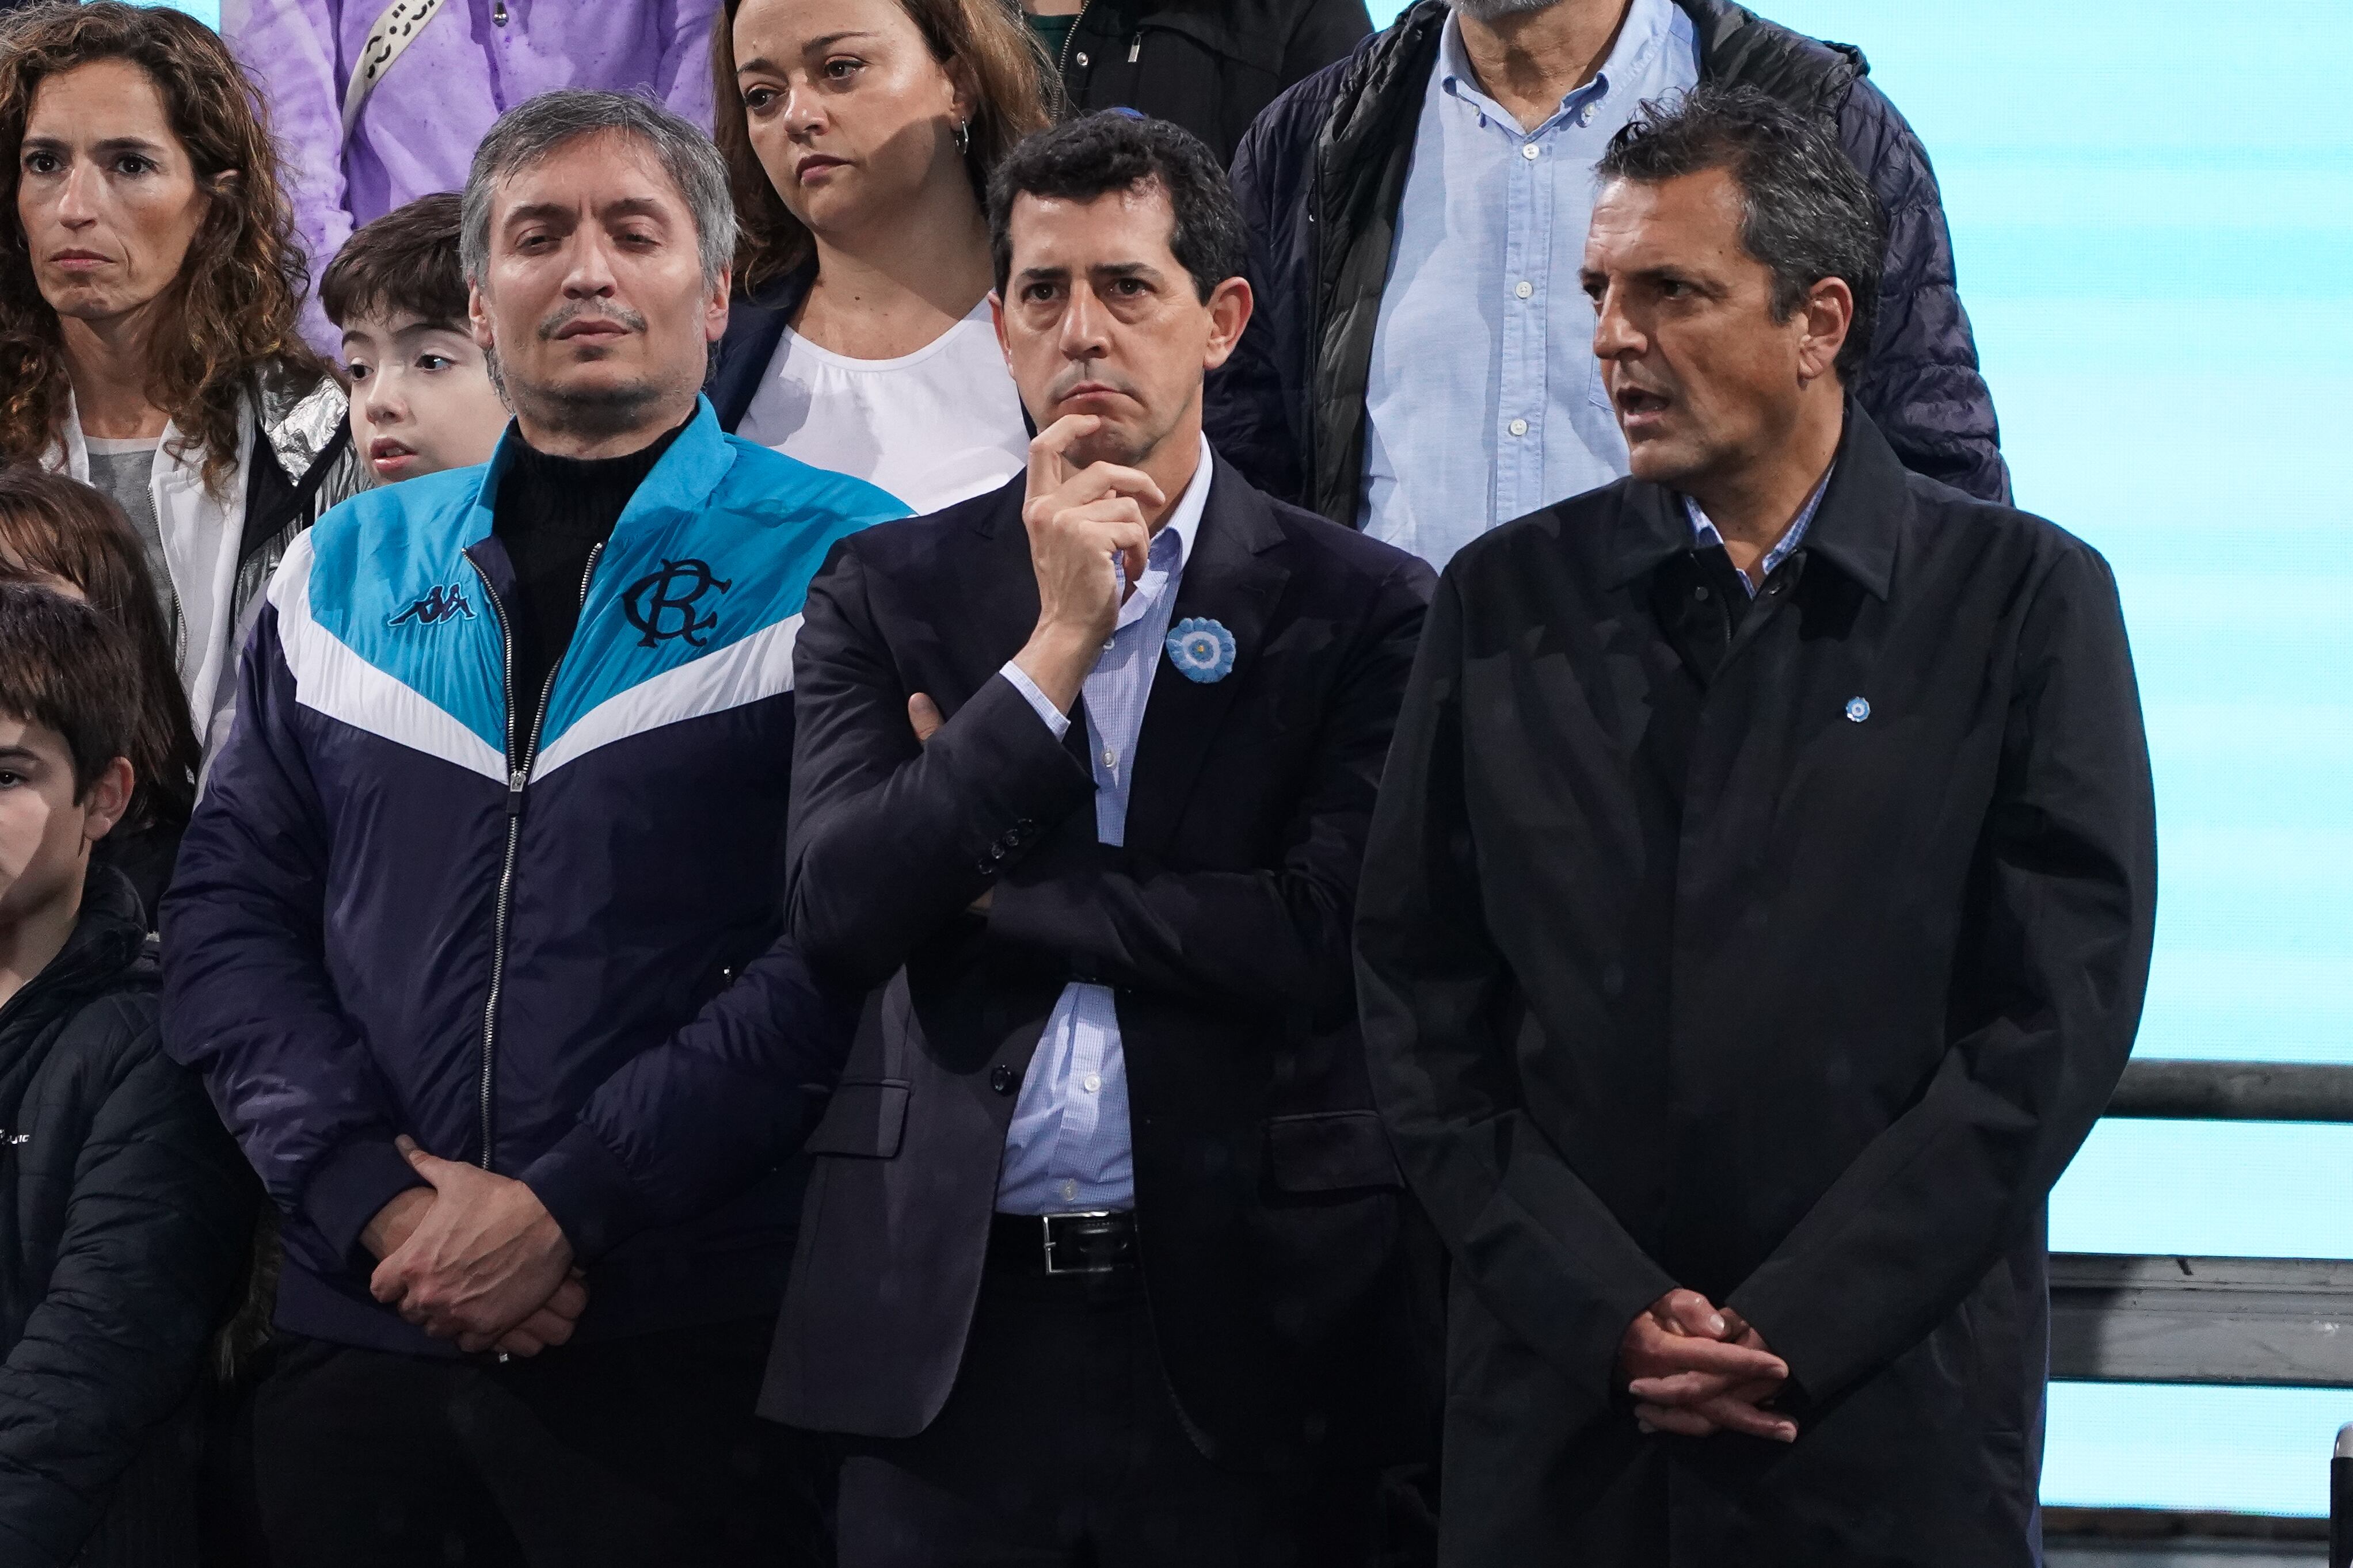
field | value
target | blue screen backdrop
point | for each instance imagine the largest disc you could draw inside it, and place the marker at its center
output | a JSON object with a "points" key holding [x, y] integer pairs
{"points": [[2152, 204]]}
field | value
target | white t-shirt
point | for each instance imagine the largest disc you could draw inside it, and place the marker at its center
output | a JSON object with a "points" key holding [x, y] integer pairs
{"points": [[933, 428]]}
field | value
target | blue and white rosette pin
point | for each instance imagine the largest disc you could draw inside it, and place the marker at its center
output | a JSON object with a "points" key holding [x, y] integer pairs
{"points": [[1201, 649]]}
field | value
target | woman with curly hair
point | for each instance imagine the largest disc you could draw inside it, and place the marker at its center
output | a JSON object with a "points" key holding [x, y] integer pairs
{"points": [[149, 291], [860, 136]]}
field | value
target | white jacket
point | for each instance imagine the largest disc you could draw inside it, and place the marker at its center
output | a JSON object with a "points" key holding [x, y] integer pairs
{"points": [[221, 557]]}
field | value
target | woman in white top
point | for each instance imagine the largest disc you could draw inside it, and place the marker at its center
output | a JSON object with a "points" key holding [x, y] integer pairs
{"points": [[859, 135], [149, 285]]}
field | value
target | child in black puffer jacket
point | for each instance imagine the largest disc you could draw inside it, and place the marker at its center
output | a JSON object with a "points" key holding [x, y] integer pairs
{"points": [[125, 1208]]}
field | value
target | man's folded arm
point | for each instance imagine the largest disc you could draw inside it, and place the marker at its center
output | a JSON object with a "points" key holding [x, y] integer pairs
{"points": [[688, 1123], [889, 838], [248, 1001], [1277, 937], [1245, 403], [1921, 384], [1440, 1013], [2045, 1010]]}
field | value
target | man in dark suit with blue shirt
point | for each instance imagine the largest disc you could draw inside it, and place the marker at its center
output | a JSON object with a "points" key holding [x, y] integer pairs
{"points": [[1103, 1260]]}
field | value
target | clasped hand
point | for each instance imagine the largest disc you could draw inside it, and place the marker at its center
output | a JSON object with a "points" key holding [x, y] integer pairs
{"points": [[477, 1259], [1695, 1369]]}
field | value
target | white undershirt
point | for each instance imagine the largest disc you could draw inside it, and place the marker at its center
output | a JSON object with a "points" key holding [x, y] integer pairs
{"points": [[933, 427]]}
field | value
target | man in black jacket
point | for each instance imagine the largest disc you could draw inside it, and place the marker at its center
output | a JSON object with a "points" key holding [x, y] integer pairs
{"points": [[1103, 1238], [1336, 183], [1209, 65], [1756, 921], [126, 1211]]}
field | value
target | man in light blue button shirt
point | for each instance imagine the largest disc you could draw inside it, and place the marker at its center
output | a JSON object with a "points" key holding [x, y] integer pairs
{"points": [[1484, 401], [1419, 362], [1068, 1147], [1104, 1260]]}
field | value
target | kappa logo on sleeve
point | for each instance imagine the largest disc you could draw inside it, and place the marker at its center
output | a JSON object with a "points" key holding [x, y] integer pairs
{"points": [[668, 603], [439, 605]]}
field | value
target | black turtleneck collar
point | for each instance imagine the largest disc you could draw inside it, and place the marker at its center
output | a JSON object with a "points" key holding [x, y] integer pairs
{"points": [[550, 515], [574, 493]]}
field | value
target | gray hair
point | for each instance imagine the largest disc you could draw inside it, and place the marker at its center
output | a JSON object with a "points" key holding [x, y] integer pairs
{"points": [[1807, 214], [531, 130]]}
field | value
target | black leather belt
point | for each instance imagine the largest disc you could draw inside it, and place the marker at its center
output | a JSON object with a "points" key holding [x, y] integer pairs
{"points": [[1096, 1242]]}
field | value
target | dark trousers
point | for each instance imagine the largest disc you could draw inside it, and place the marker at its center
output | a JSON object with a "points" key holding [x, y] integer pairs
{"points": [[638, 1451], [1060, 1446]]}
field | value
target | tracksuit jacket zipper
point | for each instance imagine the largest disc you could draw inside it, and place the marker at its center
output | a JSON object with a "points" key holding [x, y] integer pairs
{"points": [[518, 777]]}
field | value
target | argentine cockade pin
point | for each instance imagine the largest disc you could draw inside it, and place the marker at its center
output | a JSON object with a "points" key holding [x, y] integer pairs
{"points": [[1201, 649]]}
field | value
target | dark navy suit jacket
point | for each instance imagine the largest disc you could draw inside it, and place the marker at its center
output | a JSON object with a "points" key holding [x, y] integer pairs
{"points": [[1269, 1206]]}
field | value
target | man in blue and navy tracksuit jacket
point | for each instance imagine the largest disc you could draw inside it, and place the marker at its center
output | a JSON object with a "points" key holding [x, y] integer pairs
{"points": [[476, 932]]}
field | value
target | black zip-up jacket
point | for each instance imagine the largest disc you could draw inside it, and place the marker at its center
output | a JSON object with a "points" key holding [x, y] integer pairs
{"points": [[1782, 948], [1209, 65], [126, 1214], [1320, 177]]}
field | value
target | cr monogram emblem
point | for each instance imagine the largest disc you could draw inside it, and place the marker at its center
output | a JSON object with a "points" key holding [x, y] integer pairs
{"points": [[663, 604]]}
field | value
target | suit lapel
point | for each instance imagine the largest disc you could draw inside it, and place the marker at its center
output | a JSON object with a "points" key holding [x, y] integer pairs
{"points": [[1231, 578], [986, 602]]}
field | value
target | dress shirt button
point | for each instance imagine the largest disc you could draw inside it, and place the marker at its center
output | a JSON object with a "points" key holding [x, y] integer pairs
{"points": [[1517, 426], [1524, 288], [1110, 758], [1002, 1078], [1531, 152], [1094, 1082], [1585, 115], [1070, 1191]]}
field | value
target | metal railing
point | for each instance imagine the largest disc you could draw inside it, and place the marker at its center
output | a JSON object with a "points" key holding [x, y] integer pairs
{"points": [[2280, 1322]]}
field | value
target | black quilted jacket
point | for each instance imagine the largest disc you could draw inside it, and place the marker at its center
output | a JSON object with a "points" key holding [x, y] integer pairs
{"points": [[1320, 177], [126, 1213]]}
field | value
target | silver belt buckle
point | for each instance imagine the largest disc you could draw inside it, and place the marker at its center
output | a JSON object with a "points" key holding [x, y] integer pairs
{"points": [[1046, 1230]]}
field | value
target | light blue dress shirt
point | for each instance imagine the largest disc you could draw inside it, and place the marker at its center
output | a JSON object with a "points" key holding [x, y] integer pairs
{"points": [[1484, 401], [1704, 534], [1068, 1146]]}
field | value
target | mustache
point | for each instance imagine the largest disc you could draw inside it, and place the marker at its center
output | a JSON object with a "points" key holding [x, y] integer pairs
{"points": [[1070, 377], [620, 315]]}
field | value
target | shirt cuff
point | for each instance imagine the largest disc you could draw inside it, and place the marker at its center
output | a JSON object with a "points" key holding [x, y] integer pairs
{"points": [[1043, 706]]}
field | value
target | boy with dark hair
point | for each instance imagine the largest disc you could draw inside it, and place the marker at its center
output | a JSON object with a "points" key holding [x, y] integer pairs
{"points": [[422, 396], [125, 1208]]}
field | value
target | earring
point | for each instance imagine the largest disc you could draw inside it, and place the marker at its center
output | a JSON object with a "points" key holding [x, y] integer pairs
{"points": [[964, 137]]}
